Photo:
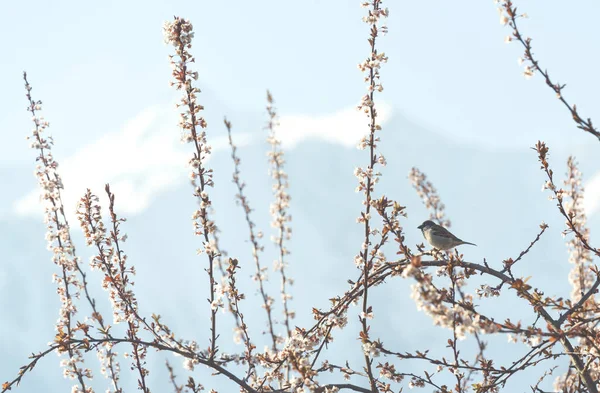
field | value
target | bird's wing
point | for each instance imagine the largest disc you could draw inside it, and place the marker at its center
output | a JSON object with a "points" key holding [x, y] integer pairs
{"points": [[443, 232]]}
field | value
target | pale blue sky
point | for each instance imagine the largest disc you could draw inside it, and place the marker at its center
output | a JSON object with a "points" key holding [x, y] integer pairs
{"points": [[449, 67], [457, 105]]}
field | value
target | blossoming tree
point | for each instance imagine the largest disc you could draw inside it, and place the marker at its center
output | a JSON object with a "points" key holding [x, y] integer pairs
{"points": [[296, 358]]}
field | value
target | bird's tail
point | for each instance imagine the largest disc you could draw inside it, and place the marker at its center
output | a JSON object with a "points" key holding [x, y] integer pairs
{"points": [[473, 244]]}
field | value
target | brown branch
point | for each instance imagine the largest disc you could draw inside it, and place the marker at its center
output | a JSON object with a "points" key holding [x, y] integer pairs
{"points": [[139, 354], [509, 263], [64, 254], [6, 386], [256, 248], [542, 151], [453, 343], [279, 208], [235, 298], [368, 177], [511, 18], [179, 34], [172, 378]]}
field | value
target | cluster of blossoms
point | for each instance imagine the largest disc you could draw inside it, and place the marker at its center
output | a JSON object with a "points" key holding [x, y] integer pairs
{"points": [[112, 262], [58, 236], [532, 339], [371, 68], [371, 349], [485, 290], [372, 64], [109, 365], [296, 352], [241, 330], [179, 34], [581, 277], [279, 209], [365, 176], [445, 312], [428, 194], [508, 16], [582, 315]]}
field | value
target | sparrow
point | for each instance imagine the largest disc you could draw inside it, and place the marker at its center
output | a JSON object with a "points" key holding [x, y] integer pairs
{"points": [[439, 237]]}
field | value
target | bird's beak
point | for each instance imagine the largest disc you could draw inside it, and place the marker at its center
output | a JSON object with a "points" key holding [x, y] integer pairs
{"points": [[420, 226]]}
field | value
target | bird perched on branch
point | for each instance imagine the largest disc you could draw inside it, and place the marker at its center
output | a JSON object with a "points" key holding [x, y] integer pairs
{"points": [[439, 237]]}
